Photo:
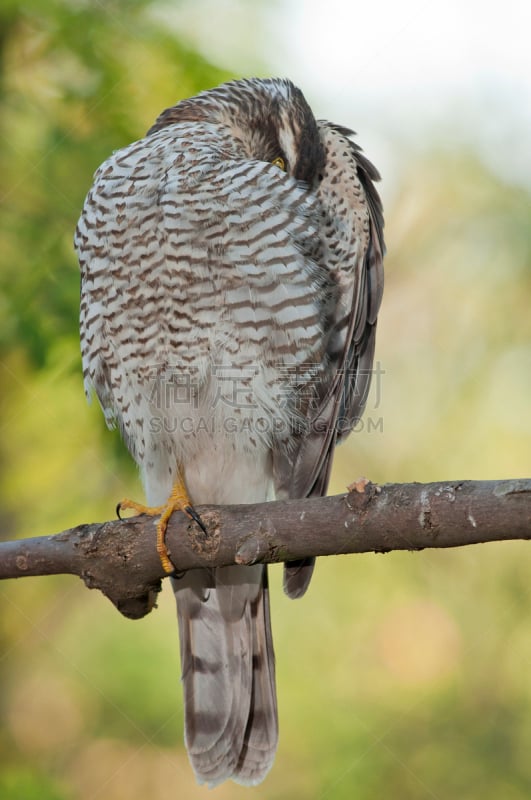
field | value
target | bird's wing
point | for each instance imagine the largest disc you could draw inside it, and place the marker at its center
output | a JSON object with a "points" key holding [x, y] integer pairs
{"points": [[352, 249]]}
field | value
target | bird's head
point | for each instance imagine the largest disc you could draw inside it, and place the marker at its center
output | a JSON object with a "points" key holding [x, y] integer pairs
{"points": [[268, 118]]}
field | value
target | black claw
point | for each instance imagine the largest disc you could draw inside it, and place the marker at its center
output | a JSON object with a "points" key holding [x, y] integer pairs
{"points": [[118, 509], [196, 518], [177, 575]]}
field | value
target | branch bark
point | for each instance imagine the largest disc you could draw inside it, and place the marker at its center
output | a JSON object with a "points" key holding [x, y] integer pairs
{"points": [[119, 557]]}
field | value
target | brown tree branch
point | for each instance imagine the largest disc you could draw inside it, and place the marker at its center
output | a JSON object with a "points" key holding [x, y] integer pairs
{"points": [[120, 559]]}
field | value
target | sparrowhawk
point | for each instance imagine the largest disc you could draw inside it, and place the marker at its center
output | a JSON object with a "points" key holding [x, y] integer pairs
{"points": [[231, 276]]}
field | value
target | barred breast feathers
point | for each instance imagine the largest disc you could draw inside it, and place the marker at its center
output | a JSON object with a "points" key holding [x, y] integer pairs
{"points": [[208, 264]]}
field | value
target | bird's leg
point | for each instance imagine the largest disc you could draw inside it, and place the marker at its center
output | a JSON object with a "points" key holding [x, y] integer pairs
{"points": [[177, 501]]}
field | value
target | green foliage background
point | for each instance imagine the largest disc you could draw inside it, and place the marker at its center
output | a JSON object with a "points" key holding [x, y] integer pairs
{"points": [[404, 676]]}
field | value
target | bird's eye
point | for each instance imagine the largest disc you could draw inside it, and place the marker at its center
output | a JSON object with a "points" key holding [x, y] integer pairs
{"points": [[280, 163]]}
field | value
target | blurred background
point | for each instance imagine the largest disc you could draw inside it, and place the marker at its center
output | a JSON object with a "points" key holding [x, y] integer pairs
{"points": [[404, 676]]}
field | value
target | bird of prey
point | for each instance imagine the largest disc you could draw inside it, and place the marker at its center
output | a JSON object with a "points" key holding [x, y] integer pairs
{"points": [[231, 276]]}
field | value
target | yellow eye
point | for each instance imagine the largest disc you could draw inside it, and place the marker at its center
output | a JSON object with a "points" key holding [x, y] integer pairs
{"points": [[279, 162]]}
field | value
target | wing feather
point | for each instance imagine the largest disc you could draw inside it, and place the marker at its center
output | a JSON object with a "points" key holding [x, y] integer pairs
{"points": [[352, 250]]}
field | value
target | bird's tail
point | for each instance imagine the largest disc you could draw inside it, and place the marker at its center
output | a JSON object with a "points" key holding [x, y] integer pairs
{"points": [[228, 673]]}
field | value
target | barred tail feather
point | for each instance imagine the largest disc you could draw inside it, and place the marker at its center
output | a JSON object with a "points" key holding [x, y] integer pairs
{"points": [[228, 673]]}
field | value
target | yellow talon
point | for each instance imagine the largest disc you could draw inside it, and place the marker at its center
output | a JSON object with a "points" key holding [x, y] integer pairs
{"points": [[140, 508], [177, 501]]}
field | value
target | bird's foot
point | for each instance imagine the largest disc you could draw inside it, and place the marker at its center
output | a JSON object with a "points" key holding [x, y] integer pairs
{"points": [[177, 501], [140, 508]]}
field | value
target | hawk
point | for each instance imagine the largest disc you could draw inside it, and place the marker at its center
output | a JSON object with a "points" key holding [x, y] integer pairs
{"points": [[231, 276]]}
